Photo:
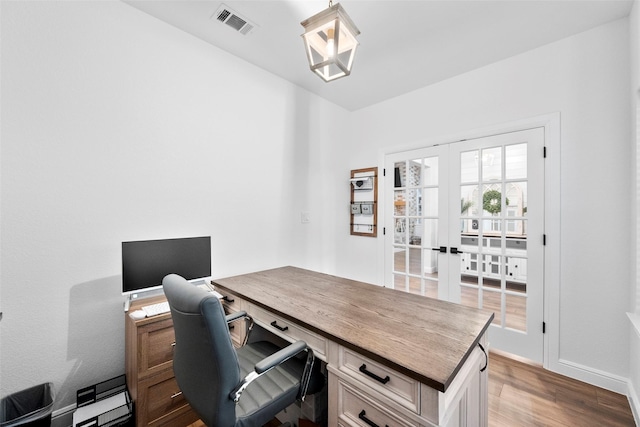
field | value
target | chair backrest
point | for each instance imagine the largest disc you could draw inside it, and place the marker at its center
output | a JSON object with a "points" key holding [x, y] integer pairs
{"points": [[205, 363]]}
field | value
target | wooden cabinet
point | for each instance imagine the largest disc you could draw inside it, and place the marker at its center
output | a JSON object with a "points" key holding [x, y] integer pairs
{"points": [[149, 366]]}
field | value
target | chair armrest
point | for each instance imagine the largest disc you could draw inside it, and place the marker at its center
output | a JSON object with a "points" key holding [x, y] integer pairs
{"points": [[271, 362], [279, 357], [235, 316]]}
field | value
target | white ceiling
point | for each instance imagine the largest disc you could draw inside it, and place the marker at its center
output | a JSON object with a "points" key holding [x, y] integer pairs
{"points": [[404, 45]]}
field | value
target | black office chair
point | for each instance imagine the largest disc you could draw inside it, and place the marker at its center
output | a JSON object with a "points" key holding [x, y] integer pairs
{"points": [[230, 387]]}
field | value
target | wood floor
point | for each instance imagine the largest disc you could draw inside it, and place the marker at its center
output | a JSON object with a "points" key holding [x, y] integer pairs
{"points": [[523, 395]]}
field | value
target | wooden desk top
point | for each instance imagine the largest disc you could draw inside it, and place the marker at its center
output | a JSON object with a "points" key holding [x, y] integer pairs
{"points": [[424, 338]]}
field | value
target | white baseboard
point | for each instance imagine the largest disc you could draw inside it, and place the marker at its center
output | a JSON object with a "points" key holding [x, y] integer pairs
{"points": [[63, 417], [632, 393], [634, 402], [592, 376]]}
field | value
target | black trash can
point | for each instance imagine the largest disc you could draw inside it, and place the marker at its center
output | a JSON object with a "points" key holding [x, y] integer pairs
{"points": [[31, 407]]}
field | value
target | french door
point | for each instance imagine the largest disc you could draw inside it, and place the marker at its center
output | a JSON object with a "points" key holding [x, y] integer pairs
{"points": [[467, 227]]}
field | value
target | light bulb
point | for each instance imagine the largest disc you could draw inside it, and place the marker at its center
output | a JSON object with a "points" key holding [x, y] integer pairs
{"points": [[331, 47]]}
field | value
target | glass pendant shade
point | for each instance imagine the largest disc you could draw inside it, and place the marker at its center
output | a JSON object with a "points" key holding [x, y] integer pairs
{"points": [[330, 42]]}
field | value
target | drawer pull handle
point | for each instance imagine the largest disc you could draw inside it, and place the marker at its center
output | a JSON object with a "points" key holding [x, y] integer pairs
{"points": [[364, 370], [227, 299], [275, 325], [363, 416], [231, 327], [174, 395], [486, 358], [173, 344]]}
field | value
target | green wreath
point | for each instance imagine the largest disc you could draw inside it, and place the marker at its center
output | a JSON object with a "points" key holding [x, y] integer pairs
{"points": [[492, 202]]}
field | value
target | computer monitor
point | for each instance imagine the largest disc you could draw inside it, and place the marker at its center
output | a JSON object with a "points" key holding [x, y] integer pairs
{"points": [[146, 262]]}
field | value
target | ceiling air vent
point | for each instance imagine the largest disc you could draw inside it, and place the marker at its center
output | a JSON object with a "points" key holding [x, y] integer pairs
{"points": [[228, 16]]}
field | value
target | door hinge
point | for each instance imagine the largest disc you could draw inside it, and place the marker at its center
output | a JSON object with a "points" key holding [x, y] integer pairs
{"points": [[544, 152], [384, 172], [544, 327], [544, 240], [384, 231]]}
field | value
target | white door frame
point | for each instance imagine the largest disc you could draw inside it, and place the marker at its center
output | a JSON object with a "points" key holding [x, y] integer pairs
{"points": [[551, 125]]}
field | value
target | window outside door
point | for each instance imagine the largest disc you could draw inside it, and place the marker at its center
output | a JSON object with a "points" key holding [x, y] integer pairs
{"points": [[468, 228]]}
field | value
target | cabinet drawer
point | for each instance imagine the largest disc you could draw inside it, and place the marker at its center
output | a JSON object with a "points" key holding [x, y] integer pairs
{"points": [[161, 402], [230, 301], [289, 330], [155, 347], [394, 385], [356, 408]]}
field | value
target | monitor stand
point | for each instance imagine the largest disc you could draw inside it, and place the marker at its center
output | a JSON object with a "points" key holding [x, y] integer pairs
{"points": [[140, 295]]}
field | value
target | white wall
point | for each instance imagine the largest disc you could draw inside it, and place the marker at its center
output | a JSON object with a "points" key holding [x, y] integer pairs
{"points": [[586, 79], [634, 307], [116, 126]]}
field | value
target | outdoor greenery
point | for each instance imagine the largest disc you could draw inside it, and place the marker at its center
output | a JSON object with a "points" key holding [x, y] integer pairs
{"points": [[492, 202]]}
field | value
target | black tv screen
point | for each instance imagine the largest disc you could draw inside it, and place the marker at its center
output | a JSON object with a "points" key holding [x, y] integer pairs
{"points": [[146, 262]]}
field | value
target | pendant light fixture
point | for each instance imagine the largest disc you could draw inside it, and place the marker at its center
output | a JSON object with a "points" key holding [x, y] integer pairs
{"points": [[330, 42]]}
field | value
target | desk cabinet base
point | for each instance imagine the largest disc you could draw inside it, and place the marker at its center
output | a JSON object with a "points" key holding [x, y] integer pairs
{"points": [[354, 402], [154, 391]]}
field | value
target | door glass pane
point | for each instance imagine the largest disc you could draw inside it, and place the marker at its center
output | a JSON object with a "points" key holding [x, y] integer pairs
{"points": [[491, 164], [430, 233], [469, 200], [430, 174], [430, 202], [492, 270], [414, 173], [516, 312], [430, 267], [415, 285], [400, 174], [399, 203], [516, 231], [399, 259], [492, 203], [469, 244], [399, 281], [415, 231], [469, 267], [414, 202], [415, 261], [515, 159], [469, 296], [469, 166], [492, 300], [399, 234], [516, 198], [491, 227], [431, 288], [516, 272]]}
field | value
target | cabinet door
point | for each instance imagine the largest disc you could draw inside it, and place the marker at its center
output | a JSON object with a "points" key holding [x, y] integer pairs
{"points": [[161, 403]]}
